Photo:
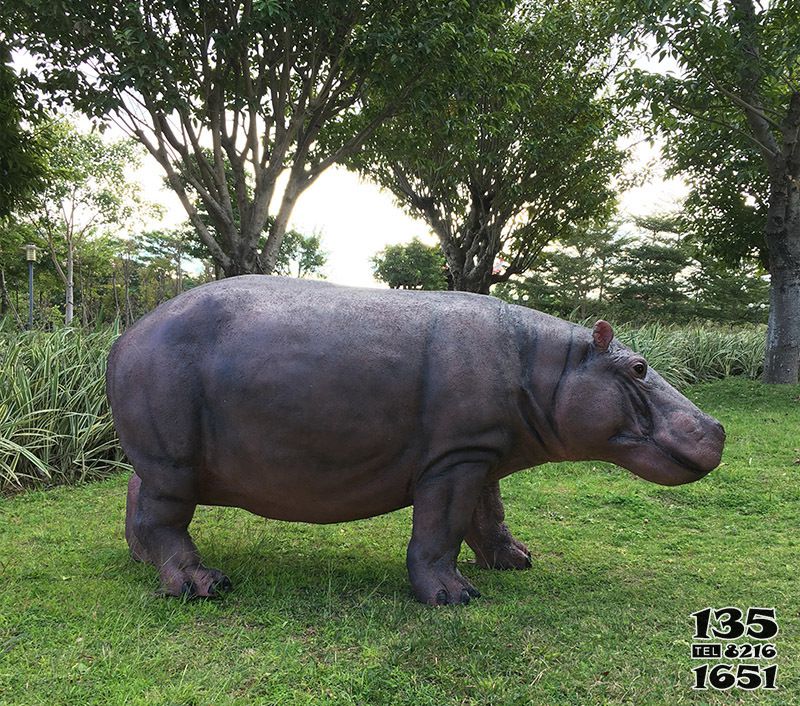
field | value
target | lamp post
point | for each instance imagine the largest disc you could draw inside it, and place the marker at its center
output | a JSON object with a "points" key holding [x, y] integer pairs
{"points": [[30, 256]]}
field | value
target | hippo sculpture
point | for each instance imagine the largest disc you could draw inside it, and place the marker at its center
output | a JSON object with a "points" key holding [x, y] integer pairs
{"points": [[308, 401]]}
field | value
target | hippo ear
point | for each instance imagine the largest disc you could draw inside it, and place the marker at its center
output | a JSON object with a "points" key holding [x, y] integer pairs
{"points": [[602, 334]]}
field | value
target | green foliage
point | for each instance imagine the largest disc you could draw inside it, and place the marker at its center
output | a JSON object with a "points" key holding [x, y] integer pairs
{"points": [[648, 282], [505, 153], [322, 614], [55, 425], [88, 172], [571, 278], [732, 293], [87, 190], [300, 255], [729, 188], [160, 263], [598, 271], [48, 286], [115, 277], [23, 146], [411, 265], [698, 353]]}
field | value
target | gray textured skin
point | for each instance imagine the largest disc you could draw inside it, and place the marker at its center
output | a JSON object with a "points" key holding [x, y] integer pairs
{"points": [[311, 402]]}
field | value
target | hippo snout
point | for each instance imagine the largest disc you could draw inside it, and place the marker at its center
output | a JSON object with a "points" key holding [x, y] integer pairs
{"points": [[707, 455], [685, 449]]}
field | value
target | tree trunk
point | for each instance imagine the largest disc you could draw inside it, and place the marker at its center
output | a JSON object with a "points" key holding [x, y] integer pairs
{"points": [[778, 150], [126, 277], [86, 297], [179, 257], [783, 332], [245, 261], [7, 304], [116, 294], [4, 300], [601, 290], [477, 283], [466, 276], [70, 276], [782, 359], [269, 255]]}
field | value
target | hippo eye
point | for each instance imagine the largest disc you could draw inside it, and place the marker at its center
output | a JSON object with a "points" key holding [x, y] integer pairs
{"points": [[640, 368]]}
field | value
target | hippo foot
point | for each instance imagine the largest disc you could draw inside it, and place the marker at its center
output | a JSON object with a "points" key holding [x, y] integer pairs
{"points": [[194, 582], [137, 551], [438, 587], [510, 555]]}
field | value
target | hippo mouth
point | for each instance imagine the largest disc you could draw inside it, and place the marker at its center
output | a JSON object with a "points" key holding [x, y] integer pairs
{"points": [[649, 459]]}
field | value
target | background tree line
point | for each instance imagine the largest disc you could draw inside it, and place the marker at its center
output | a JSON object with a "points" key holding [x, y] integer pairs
{"points": [[81, 218], [636, 273]]}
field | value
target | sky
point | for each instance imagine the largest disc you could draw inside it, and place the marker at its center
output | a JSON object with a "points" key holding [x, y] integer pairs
{"points": [[356, 218]]}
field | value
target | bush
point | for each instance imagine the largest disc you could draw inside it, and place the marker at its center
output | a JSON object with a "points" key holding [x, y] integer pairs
{"points": [[699, 352], [55, 424]]}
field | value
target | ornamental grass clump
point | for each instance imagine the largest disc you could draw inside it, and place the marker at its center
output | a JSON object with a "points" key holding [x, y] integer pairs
{"points": [[698, 352], [55, 424]]}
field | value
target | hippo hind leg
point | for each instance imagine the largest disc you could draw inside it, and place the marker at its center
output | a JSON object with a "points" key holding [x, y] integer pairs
{"points": [[161, 503], [489, 536]]}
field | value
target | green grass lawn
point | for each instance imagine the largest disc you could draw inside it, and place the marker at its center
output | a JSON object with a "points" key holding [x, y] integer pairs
{"points": [[323, 614]]}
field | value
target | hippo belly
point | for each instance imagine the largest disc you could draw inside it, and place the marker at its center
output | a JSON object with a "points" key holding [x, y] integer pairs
{"points": [[311, 434]]}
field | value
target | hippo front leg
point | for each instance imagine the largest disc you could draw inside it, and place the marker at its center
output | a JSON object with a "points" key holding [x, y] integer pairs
{"points": [[444, 502], [489, 537]]}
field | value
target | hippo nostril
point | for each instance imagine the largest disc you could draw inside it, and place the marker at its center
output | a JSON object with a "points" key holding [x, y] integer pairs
{"points": [[718, 428]]}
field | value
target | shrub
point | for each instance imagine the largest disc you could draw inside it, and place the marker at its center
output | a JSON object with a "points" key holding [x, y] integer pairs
{"points": [[55, 425], [698, 352]]}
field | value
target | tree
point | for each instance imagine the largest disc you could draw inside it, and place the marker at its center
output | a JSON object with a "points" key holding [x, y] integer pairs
{"points": [[727, 292], [272, 87], [731, 122], [23, 159], [300, 255], [505, 157], [597, 271], [572, 277], [411, 265], [87, 188], [649, 283], [165, 251], [658, 224]]}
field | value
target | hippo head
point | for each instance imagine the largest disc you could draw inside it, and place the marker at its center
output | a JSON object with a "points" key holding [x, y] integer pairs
{"points": [[623, 411]]}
